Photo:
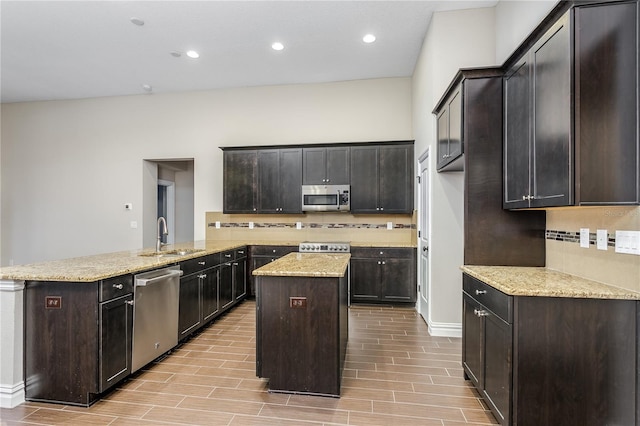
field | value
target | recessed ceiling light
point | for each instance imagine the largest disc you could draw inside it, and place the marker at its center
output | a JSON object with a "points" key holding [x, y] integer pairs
{"points": [[137, 21], [193, 54], [369, 38], [175, 54], [277, 46], [147, 87]]}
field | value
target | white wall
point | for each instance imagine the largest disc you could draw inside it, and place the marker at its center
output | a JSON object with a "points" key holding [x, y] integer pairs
{"points": [[515, 20], [454, 40], [68, 167]]}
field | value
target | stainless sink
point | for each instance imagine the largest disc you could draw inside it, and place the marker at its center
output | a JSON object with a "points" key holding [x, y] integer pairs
{"points": [[166, 253]]}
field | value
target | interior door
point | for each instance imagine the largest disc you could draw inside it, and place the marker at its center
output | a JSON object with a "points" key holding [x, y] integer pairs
{"points": [[423, 237]]}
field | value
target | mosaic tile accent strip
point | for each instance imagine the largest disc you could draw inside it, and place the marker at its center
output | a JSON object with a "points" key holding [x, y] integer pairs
{"points": [[574, 237], [267, 225]]}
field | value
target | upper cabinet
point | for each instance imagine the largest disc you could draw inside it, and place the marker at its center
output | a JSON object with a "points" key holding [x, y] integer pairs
{"points": [[571, 111], [538, 164], [450, 141], [325, 166], [606, 108], [240, 181], [280, 180], [382, 178]]}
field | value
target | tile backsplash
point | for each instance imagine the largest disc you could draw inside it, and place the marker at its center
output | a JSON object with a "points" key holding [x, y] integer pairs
{"points": [[565, 254], [396, 229]]}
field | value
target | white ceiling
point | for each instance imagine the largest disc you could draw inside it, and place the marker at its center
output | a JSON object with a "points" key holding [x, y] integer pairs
{"points": [[80, 49]]}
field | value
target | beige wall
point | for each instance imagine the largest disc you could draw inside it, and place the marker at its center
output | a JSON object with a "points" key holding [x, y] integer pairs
{"points": [[609, 267], [68, 167]]}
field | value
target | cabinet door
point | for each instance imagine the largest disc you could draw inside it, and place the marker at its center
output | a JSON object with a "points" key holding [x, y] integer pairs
{"points": [[226, 285], [396, 179], [239, 279], [443, 136], [209, 282], [364, 179], [365, 280], [455, 125], [398, 280], [116, 328], [472, 341], [269, 181], [189, 316], [338, 165], [517, 134], [240, 181], [314, 161], [290, 181], [498, 365], [606, 55], [552, 165]]}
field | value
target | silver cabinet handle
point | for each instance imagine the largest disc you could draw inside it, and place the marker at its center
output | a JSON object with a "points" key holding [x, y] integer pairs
{"points": [[240, 251], [202, 263], [118, 286], [478, 292], [235, 263], [227, 255], [202, 276], [480, 312], [130, 302]]}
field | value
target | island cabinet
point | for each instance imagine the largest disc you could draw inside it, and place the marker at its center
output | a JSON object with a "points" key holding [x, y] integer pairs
{"points": [[383, 275], [542, 360], [240, 181], [279, 169], [449, 116], [260, 256], [382, 178], [571, 110], [323, 165], [78, 338]]}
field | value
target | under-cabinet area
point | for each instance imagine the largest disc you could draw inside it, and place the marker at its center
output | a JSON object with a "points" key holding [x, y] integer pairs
{"points": [[569, 344]]}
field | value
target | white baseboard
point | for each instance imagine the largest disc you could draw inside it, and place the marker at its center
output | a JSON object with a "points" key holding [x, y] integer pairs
{"points": [[444, 329], [11, 396]]}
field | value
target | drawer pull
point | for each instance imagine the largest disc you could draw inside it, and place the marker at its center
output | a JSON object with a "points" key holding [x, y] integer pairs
{"points": [[480, 313], [227, 255], [240, 251], [202, 263], [478, 292], [118, 286]]}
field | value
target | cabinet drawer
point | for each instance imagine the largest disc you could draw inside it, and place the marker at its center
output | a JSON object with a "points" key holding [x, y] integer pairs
{"points": [[199, 263], [227, 256], [275, 251], [496, 301], [382, 252], [115, 287], [240, 253]]}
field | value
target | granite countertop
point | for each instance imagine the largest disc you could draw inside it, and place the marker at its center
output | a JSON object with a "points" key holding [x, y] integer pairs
{"points": [[102, 266], [306, 265], [531, 281]]}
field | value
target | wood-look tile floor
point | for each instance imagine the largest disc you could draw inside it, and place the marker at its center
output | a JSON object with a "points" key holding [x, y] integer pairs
{"points": [[395, 374]]}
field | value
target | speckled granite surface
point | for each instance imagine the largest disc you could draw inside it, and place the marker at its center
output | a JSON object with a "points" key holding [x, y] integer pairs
{"points": [[101, 266], [306, 265], [527, 281]]}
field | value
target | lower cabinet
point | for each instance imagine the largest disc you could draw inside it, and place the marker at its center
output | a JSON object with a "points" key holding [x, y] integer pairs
{"points": [[240, 274], [551, 360], [260, 256], [383, 275], [78, 338]]}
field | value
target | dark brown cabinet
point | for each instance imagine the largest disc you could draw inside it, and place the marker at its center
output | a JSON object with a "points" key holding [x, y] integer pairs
{"points": [[239, 273], [322, 166], [240, 181], [575, 357], [450, 137], [383, 275], [260, 256], [382, 178], [87, 348], [538, 145], [280, 180], [606, 106]]}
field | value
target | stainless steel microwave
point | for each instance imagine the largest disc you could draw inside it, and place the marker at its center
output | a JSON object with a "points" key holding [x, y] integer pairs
{"points": [[325, 198]]}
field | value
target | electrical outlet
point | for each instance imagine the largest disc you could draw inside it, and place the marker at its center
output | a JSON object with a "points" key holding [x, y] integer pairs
{"points": [[298, 225], [601, 239], [584, 237], [217, 224], [389, 225], [250, 225]]}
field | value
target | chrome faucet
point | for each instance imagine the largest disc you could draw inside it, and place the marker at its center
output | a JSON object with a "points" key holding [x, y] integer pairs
{"points": [[159, 243]]}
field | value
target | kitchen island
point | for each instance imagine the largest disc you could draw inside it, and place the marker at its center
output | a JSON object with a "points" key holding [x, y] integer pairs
{"points": [[302, 322]]}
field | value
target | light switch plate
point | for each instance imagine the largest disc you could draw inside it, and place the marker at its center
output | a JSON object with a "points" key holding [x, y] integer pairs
{"points": [[298, 225], [389, 225], [628, 242], [250, 225], [601, 239], [584, 237], [133, 224]]}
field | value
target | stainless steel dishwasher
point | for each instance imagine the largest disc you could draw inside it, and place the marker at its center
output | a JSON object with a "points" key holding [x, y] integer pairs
{"points": [[155, 314]]}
